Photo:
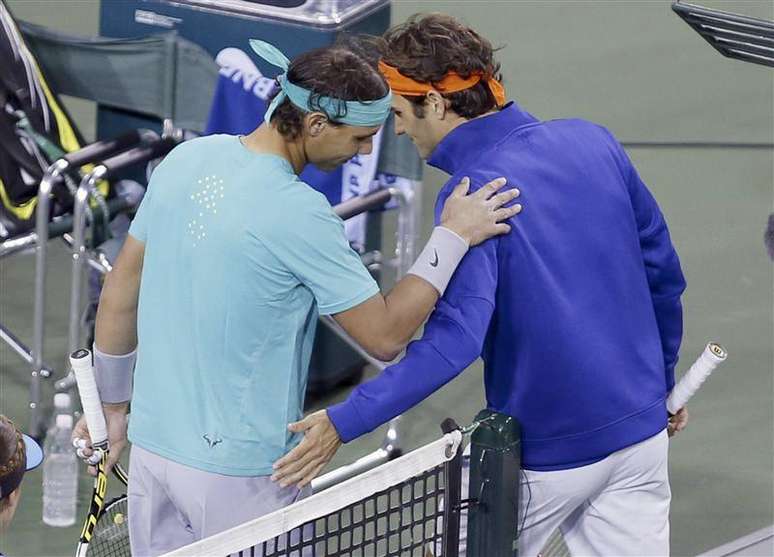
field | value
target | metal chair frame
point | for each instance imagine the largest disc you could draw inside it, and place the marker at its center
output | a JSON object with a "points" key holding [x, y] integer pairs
{"points": [[733, 35], [71, 229]]}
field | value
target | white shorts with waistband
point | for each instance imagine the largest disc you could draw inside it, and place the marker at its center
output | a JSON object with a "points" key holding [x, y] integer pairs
{"points": [[172, 505]]}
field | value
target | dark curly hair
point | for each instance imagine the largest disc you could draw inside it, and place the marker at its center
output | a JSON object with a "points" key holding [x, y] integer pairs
{"points": [[335, 71], [427, 46]]}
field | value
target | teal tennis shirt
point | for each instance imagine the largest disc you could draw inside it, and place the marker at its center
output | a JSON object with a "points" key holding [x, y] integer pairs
{"points": [[240, 258]]}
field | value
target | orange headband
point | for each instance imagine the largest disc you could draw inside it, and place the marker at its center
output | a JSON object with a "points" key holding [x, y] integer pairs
{"points": [[451, 83]]}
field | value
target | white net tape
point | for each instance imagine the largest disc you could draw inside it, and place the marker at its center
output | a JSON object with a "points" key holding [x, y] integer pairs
{"points": [[351, 491]]}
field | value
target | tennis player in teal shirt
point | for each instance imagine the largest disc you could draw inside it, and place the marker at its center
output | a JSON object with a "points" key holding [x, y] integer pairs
{"points": [[215, 296]]}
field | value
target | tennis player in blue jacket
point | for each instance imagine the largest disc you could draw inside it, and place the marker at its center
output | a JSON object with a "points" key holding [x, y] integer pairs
{"points": [[576, 312]]}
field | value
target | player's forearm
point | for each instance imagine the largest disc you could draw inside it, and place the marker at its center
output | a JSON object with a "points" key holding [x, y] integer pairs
{"points": [[410, 302], [383, 325], [452, 339], [392, 392], [116, 340], [406, 307]]}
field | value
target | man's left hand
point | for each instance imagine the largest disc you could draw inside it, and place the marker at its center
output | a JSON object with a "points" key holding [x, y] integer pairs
{"points": [[320, 443]]}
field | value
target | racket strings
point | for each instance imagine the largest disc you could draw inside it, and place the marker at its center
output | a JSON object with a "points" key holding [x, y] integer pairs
{"points": [[111, 533]]}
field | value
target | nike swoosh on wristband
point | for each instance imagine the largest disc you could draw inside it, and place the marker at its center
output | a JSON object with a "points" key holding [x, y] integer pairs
{"points": [[434, 262]]}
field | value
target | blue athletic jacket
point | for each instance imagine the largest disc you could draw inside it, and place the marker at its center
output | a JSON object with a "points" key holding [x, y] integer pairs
{"points": [[576, 312]]}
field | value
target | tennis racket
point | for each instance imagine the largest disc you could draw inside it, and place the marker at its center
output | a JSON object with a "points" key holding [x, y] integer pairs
{"points": [[105, 530], [710, 359]]}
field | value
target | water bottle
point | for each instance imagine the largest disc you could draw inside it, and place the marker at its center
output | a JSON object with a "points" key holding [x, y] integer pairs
{"points": [[61, 406], [60, 473]]}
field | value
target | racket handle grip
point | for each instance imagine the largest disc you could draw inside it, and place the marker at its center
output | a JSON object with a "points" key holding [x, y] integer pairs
{"points": [[710, 359], [80, 360]]}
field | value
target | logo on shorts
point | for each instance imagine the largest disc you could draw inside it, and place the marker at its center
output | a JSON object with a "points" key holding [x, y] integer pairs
{"points": [[434, 262], [212, 442]]}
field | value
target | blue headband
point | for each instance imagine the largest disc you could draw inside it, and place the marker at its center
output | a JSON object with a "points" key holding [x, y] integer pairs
{"points": [[352, 113]]}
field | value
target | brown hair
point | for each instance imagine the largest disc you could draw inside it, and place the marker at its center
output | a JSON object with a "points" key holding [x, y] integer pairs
{"points": [[12, 453], [428, 46], [332, 72]]}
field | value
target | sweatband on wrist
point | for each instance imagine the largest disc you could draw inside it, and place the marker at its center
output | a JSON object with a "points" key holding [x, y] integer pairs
{"points": [[114, 375], [438, 261]]}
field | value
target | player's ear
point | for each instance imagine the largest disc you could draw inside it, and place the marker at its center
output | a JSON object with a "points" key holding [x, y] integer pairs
{"points": [[315, 123], [436, 104]]}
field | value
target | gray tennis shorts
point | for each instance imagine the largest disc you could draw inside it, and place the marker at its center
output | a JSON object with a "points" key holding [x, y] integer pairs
{"points": [[172, 505]]}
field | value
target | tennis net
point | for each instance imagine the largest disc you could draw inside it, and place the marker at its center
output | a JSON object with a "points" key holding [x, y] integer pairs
{"points": [[407, 507]]}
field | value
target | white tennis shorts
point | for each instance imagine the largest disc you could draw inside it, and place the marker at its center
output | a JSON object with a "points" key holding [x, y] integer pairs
{"points": [[172, 505], [617, 506]]}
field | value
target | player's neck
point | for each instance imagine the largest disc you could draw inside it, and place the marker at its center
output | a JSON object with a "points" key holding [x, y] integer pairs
{"points": [[454, 121], [268, 140]]}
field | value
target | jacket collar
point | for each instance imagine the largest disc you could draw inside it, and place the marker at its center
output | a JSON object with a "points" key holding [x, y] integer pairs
{"points": [[476, 135]]}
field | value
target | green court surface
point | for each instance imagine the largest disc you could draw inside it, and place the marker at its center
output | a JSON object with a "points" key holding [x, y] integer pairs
{"points": [[638, 69]]}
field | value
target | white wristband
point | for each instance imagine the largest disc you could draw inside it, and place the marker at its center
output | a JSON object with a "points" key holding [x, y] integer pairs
{"points": [[438, 261], [114, 375]]}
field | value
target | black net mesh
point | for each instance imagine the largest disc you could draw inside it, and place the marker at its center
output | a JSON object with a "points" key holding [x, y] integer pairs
{"points": [[401, 520]]}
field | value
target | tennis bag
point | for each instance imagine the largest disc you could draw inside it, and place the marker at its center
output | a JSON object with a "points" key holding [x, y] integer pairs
{"points": [[35, 130]]}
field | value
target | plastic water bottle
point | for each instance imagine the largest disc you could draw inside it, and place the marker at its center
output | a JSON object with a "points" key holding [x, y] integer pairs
{"points": [[61, 406], [60, 474]]}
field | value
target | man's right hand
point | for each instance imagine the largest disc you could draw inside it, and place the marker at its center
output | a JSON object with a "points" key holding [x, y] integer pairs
{"points": [[116, 421], [677, 422], [480, 215]]}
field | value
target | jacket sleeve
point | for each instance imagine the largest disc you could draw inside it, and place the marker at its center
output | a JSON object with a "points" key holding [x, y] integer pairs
{"points": [[662, 267], [453, 338]]}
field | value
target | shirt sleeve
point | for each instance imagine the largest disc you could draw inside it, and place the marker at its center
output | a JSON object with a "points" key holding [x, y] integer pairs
{"points": [[453, 338], [142, 217], [316, 251], [139, 227], [662, 267]]}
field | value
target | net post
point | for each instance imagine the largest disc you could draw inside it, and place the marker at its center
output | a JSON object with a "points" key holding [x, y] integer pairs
{"points": [[495, 466], [452, 498]]}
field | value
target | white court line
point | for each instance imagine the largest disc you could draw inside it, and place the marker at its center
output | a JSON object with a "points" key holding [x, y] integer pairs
{"points": [[736, 547]]}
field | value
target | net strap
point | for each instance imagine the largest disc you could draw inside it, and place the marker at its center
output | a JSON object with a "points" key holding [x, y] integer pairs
{"points": [[351, 491]]}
